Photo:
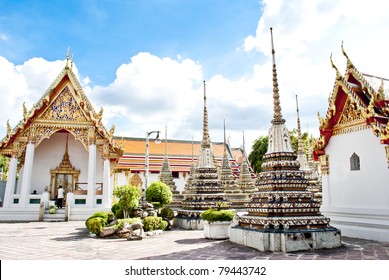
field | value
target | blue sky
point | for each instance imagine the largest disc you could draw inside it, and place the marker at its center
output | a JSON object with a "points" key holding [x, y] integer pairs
{"points": [[144, 61], [104, 34]]}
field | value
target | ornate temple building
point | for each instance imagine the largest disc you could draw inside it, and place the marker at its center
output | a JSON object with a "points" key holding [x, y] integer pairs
{"points": [[353, 152], [282, 215], [206, 189], [59, 142]]}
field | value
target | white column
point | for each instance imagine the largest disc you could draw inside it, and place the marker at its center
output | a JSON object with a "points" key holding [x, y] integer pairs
{"points": [[107, 191], [10, 186], [90, 201], [27, 174]]}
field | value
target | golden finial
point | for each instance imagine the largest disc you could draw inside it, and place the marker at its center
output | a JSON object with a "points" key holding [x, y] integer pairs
{"points": [[24, 110], [381, 90], [8, 128], [100, 114], [122, 143], [338, 75], [349, 63], [112, 130], [321, 120], [370, 108]]}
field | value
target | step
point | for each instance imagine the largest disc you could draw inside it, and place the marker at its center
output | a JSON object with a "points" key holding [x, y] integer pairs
{"points": [[59, 216]]}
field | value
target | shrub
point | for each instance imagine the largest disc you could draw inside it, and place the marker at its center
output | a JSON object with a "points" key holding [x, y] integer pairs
{"points": [[111, 217], [163, 225], [151, 223], [213, 215], [94, 224], [119, 214], [167, 213], [128, 198], [100, 214], [115, 207], [159, 192], [120, 223]]}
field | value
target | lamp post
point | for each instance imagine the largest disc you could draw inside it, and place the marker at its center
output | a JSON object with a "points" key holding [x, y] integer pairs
{"points": [[157, 141]]}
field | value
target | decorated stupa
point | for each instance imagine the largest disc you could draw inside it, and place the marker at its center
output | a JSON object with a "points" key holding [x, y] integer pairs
{"points": [[205, 190], [233, 193], [165, 175], [282, 215], [246, 180]]}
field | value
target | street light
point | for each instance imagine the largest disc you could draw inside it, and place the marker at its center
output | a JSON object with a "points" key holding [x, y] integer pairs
{"points": [[157, 141]]}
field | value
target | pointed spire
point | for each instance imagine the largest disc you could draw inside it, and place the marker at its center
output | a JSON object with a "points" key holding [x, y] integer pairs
{"points": [[225, 143], [300, 149], [165, 140], [67, 58], [244, 146], [277, 114], [206, 142], [192, 150]]}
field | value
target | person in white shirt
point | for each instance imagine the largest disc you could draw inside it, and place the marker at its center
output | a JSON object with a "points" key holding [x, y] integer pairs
{"points": [[60, 196]]}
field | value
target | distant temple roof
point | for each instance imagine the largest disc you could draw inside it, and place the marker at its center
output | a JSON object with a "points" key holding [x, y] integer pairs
{"points": [[179, 153]]}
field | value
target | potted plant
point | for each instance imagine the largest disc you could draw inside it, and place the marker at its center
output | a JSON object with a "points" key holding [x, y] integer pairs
{"points": [[52, 209], [217, 222]]}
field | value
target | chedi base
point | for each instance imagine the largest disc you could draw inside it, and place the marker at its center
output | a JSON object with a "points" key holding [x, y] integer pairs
{"points": [[286, 241]]}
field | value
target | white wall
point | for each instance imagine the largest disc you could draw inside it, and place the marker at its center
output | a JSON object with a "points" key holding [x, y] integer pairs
{"points": [[366, 188], [48, 155], [357, 202]]}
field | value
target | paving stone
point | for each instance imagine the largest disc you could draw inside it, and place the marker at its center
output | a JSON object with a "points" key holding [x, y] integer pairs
{"points": [[70, 240]]}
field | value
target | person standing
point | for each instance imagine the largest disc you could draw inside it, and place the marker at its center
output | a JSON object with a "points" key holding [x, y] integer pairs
{"points": [[60, 195]]}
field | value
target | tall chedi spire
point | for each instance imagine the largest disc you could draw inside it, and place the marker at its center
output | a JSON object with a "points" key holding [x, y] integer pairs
{"points": [[246, 181], [282, 215], [206, 155], [301, 157], [165, 175], [205, 190]]}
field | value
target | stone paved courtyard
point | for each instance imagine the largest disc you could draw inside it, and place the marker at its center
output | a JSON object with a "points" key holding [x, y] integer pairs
{"points": [[70, 241]]}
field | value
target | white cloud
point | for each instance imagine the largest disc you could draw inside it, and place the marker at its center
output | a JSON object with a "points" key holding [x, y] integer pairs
{"points": [[4, 37]]}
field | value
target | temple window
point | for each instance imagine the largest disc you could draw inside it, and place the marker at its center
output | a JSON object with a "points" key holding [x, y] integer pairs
{"points": [[354, 162]]}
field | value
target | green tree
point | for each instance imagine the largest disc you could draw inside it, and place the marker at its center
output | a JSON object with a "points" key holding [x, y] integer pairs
{"points": [[128, 198], [294, 140], [4, 163], [258, 150], [159, 194]]}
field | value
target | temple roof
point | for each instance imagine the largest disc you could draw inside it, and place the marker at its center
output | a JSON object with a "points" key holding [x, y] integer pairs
{"points": [[358, 101], [63, 107], [179, 152]]}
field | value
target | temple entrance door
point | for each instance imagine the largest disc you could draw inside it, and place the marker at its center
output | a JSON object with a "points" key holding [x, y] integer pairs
{"points": [[67, 183], [64, 175]]}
